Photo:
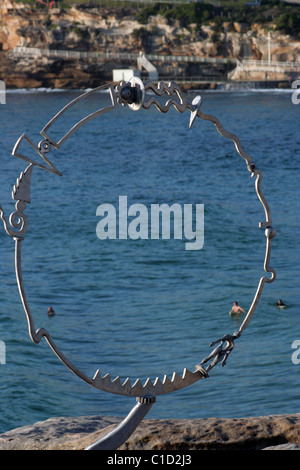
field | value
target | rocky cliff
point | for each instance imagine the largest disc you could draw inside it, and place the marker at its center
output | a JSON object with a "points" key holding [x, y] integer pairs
{"points": [[118, 30]]}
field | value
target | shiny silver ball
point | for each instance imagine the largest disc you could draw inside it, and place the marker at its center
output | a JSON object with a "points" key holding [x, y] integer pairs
{"points": [[270, 232]]}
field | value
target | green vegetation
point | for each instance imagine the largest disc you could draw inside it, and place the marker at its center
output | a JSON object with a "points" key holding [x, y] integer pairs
{"points": [[285, 17], [288, 22], [186, 13]]}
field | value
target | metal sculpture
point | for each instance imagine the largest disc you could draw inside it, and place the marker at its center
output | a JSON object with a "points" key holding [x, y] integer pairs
{"points": [[134, 95]]}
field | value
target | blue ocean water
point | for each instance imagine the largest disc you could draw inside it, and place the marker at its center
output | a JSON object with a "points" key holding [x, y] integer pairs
{"points": [[146, 308]]}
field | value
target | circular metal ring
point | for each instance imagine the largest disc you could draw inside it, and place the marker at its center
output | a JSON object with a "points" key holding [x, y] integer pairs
{"points": [[135, 96]]}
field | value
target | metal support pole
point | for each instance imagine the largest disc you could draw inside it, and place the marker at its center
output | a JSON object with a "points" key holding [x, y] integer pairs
{"points": [[123, 431], [269, 47]]}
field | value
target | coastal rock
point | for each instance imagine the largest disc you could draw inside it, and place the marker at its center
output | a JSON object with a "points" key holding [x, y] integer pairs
{"points": [[283, 447], [117, 30], [240, 27], [280, 432]]}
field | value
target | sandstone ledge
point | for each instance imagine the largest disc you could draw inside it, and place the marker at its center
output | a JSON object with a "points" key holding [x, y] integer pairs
{"points": [[254, 433]]}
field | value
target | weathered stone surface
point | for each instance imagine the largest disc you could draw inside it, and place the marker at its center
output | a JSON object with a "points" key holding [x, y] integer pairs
{"points": [[280, 432], [283, 447], [58, 433]]}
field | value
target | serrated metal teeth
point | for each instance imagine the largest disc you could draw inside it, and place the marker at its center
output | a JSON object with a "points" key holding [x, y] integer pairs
{"points": [[157, 387]]}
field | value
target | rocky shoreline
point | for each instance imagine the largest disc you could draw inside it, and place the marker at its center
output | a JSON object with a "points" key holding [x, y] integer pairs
{"points": [[275, 432], [118, 30]]}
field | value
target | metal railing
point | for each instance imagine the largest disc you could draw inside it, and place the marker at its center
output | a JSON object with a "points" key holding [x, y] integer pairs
{"points": [[266, 63], [264, 66], [69, 54], [193, 79]]}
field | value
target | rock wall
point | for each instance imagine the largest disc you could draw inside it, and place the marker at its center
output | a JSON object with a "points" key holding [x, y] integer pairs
{"points": [[254, 433]]}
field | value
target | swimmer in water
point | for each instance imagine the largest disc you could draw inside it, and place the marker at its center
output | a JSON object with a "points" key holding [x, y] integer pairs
{"points": [[50, 312], [236, 309], [280, 304]]}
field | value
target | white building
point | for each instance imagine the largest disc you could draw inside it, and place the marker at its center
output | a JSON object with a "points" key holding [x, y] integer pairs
{"points": [[124, 74]]}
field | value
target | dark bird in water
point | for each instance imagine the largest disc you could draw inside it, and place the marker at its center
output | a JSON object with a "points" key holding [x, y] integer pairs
{"points": [[50, 312]]}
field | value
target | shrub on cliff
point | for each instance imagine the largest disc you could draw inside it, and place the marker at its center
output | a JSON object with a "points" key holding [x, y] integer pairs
{"points": [[185, 13], [289, 23]]}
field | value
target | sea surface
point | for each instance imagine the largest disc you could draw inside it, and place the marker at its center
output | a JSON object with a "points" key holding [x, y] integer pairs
{"points": [[144, 308]]}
